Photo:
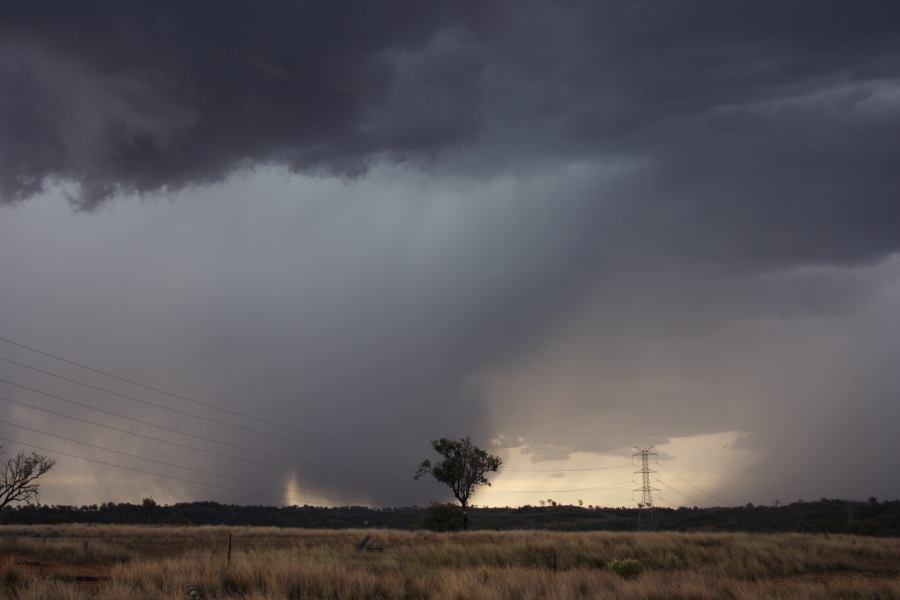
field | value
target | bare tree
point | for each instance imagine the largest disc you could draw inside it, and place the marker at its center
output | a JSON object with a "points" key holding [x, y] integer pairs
{"points": [[20, 472], [464, 468]]}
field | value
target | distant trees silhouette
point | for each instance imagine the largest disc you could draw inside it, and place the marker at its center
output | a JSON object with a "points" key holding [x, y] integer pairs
{"points": [[444, 517], [20, 472], [882, 519], [463, 469]]}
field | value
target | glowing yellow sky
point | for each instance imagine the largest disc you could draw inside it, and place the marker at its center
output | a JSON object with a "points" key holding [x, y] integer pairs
{"points": [[700, 460]]}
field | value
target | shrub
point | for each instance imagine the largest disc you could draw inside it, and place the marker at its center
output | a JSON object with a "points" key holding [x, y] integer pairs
{"points": [[626, 569], [444, 517], [11, 581]]}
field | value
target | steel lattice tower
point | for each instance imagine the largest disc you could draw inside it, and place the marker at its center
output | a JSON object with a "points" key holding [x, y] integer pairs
{"points": [[646, 514]]}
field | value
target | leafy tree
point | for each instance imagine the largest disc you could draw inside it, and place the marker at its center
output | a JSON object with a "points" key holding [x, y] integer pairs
{"points": [[20, 472], [464, 467]]}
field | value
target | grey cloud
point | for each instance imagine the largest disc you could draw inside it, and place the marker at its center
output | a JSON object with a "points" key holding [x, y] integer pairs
{"points": [[376, 308], [138, 97], [355, 311], [658, 194]]}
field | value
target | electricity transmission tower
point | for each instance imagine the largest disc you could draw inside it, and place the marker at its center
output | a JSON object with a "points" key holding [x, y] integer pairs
{"points": [[646, 514]]}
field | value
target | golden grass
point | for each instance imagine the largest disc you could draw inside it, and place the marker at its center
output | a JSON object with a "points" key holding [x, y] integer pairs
{"points": [[149, 563]]}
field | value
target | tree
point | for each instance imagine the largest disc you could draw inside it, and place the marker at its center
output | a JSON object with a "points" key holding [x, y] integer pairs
{"points": [[464, 467], [20, 472]]}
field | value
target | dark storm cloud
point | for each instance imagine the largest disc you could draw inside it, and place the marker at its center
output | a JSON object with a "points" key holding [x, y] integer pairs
{"points": [[140, 96], [143, 96]]}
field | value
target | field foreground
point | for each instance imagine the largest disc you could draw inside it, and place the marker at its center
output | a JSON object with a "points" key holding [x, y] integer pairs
{"points": [[150, 563]]}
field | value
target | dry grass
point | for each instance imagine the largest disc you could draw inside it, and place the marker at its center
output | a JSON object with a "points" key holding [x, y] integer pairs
{"points": [[145, 563]]}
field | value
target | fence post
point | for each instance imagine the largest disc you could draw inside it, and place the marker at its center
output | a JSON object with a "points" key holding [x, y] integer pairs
{"points": [[228, 560], [554, 561]]}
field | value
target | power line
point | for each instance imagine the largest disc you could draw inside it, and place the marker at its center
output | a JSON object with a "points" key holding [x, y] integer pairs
{"points": [[587, 489], [142, 422], [696, 487], [202, 438], [137, 383], [121, 452], [684, 495], [133, 398], [136, 470], [693, 499], [622, 502], [289, 460], [622, 466], [163, 406], [141, 435], [199, 416], [182, 397]]}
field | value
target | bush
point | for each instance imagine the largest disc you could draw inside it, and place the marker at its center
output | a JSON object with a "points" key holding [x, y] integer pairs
{"points": [[626, 569], [444, 517], [11, 581]]}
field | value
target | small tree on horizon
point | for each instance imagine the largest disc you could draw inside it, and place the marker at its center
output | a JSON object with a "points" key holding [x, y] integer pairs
{"points": [[20, 472], [464, 467]]}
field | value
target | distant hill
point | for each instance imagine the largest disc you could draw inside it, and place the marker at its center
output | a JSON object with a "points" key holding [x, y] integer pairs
{"points": [[824, 516]]}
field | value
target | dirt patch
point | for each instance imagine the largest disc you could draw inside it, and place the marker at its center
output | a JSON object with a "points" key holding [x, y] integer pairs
{"points": [[76, 573]]}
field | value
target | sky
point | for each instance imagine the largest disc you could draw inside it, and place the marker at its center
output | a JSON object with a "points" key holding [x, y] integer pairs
{"points": [[321, 234]]}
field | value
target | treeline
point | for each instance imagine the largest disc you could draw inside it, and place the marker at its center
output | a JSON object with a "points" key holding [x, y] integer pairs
{"points": [[825, 516]]}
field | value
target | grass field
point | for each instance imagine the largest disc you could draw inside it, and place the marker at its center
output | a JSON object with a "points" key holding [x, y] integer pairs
{"points": [[149, 563]]}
